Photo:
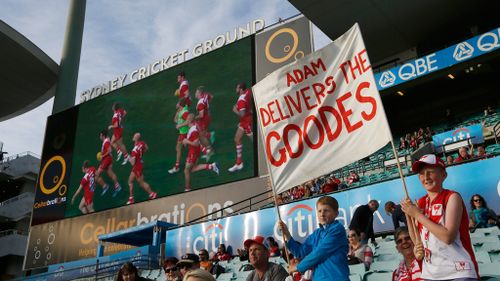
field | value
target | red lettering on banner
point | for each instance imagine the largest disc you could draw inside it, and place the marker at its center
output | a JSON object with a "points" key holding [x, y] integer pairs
{"points": [[323, 123], [329, 81], [366, 99], [297, 105], [282, 159], [346, 113], [299, 75], [307, 98], [282, 116], [355, 66], [286, 140], [263, 114], [321, 132], [322, 114]]}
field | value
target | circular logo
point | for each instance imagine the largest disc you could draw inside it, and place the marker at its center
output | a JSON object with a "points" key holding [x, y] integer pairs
{"points": [[290, 51], [57, 179]]}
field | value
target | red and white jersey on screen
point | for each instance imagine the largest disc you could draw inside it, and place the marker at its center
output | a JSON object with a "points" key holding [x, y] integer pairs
{"points": [[106, 147], [88, 180], [138, 151], [203, 105], [118, 117], [244, 103], [192, 136], [183, 89], [443, 261]]}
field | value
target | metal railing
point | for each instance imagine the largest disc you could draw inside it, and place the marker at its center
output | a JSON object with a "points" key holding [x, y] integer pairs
{"points": [[17, 198], [19, 155]]}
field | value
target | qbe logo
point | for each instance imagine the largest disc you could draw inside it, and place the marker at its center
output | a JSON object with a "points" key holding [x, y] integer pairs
{"points": [[463, 51], [387, 79]]}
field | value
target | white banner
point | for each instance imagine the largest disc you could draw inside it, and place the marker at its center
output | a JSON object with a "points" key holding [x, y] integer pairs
{"points": [[320, 113]]}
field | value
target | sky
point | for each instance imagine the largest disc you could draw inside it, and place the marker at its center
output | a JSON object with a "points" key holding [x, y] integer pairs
{"points": [[121, 36]]}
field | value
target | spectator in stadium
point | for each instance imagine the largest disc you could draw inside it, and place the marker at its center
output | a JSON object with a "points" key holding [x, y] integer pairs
{"points": [[297, 192], [198, 275], [242, 254], [297, 276], [222, 254], [259, 258], [409, 268], [205, 263], [481, 153], [403, 144], [358, 251], [489, 111], [428, 134], [463, 155], [443, 225], [363, 220], [331, 185], [396, 213], [128, 272], [325, 250], [274, 249], [171, 270], [450, 160], [481, 216], [353, 177], [188, 262]]}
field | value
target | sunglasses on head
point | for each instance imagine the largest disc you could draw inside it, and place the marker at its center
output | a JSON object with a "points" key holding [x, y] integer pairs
{"points": [[168, 270], [401, 240]]}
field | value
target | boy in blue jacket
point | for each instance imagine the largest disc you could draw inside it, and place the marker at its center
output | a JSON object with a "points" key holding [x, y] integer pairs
{"points": [[325, 250]]}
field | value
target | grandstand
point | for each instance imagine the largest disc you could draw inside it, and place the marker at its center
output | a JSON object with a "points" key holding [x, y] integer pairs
{"points": [[434, 100]]}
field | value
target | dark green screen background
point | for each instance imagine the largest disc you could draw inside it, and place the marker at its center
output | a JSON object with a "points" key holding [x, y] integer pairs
{"points": [[150, 105]]}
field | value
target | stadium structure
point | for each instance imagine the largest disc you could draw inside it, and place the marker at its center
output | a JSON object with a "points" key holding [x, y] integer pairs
{"points": [[436, 65]]}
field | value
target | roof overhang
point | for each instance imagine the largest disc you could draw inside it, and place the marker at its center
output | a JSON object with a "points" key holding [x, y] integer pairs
{"points": [[391, 27], [27, 75]]}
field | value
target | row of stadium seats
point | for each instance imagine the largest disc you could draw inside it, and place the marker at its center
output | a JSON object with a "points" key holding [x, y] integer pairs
{"points": [[486, 246]]}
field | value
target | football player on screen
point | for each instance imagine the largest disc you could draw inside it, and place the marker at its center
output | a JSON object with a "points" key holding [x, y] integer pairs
{"points": [[192, 140], [140, 147], [242, 108], [106, 165], [88, 185], [117, 126], [180, 119], [203, 119]]}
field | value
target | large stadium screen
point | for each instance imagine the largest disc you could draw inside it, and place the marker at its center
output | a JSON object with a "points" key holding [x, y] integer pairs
{"points": [[162, 129]]}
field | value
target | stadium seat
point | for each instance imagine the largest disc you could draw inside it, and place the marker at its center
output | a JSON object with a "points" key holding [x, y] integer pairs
{"points": [[357, 269], [242, 275], [145, 273], [384, 266], [226, 276], [482, 257], [485, 239], [355, 277], [377, 276], [489, 268], [386, 257], [490, 247]]}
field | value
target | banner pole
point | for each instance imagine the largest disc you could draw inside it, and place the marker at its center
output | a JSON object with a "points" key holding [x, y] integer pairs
{"points": [[411, 222], [276, 205]]}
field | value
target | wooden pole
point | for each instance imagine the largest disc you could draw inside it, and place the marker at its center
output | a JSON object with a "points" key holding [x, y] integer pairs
{"points": [[412, 227]]}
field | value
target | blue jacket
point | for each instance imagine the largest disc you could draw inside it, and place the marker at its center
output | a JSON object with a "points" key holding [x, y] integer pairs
{"points": [[325, 252]]}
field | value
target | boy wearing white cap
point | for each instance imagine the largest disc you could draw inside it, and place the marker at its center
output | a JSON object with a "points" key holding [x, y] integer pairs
{"points": [[442, 223]]}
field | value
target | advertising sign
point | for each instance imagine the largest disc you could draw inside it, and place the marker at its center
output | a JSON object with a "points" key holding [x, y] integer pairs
{"points": [[165, 122], [300, 216], [281, 45], [76, 238], [476, 46], [474, 133], [324, 108]]}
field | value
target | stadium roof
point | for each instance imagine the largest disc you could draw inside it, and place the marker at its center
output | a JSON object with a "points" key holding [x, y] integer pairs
{"points": [[390, 27], [27, 76]]}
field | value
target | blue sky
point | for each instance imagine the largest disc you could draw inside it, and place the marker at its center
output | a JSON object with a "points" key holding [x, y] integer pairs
{"points": [[121, 36]]}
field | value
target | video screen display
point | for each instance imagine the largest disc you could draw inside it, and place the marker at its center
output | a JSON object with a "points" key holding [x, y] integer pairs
{"points": [[182, 129]]}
